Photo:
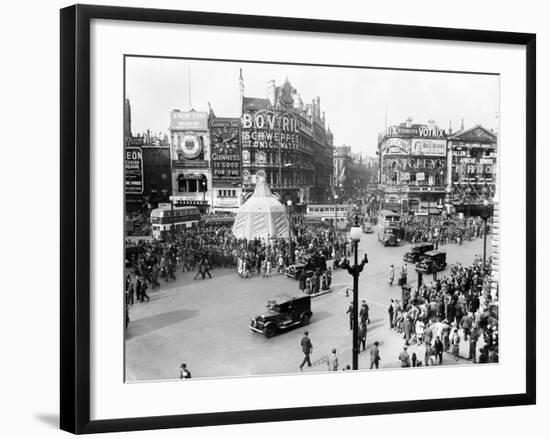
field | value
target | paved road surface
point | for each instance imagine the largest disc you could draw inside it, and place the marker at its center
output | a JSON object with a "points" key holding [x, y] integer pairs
{"points": [[205, 322]]}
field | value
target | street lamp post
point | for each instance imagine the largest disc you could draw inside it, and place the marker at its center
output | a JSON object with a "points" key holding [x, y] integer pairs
{"points": [[289, 204], [485, 214], [335, 215], [355, 271]]}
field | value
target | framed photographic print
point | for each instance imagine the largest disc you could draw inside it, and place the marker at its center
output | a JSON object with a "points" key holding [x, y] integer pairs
{"points": [[265, 213]]}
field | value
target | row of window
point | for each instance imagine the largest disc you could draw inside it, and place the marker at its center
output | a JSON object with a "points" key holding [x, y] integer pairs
{"points": [[326, 209], [222, 193]]}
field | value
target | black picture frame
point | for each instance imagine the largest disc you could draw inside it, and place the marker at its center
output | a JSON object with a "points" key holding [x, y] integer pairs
{"points": [[75, 217]]}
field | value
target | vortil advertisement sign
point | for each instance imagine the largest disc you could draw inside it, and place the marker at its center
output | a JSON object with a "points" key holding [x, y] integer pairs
{"points": [[226, 151], [269, 129], [133, 170]]}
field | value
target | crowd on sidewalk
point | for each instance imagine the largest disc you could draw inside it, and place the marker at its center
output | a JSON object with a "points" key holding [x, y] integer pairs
{"points": [[442, 314]]}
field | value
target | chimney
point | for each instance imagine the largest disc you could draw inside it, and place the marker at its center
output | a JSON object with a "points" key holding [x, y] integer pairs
{"points": [[431, 124], [450, 129], [462, 125], [409, 121]]}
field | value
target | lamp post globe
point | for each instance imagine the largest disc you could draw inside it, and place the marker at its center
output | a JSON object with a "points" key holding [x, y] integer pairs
{"points": [[355, 233]]}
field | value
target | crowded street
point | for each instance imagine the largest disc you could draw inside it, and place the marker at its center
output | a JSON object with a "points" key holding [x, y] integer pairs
{"points": [[204, 323], [265, 233]]}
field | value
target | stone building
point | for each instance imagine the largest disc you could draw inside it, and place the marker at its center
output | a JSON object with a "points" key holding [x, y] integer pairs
{"points": [[286, 142]]}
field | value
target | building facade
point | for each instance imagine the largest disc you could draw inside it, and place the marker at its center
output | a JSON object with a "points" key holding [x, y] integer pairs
{"points": [[190, 156], [352, 174], [473, 158], [288, 143], [413, 168], [147, 174], [226, 163]]}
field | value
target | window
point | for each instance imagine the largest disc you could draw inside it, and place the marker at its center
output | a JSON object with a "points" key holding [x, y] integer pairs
{"points": [[182, 183]]}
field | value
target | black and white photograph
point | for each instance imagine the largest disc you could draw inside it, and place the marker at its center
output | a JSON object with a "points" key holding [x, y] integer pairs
{"points": [[288, 219]]}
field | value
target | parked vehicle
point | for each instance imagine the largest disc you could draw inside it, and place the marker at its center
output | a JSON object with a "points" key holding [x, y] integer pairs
{"points": [[367, 227], [432, 261], [283, 312], [310, 264], [416, 251]]}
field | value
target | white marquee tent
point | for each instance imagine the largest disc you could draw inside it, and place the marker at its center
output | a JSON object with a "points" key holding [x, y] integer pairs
{"points": [[261, 216]]}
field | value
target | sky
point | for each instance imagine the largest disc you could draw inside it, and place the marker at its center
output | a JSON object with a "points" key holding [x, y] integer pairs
{"points": [[356, 101]]}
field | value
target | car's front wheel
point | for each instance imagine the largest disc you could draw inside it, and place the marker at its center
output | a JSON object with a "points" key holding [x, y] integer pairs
{"points": [[269, 331], [305, 319]]}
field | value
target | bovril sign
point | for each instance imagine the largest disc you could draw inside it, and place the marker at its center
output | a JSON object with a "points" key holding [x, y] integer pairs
{"points": [[269, 129]]}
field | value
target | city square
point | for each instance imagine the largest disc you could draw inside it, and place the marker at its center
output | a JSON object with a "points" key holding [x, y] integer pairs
{"points": [[205, 322], [258, 243]]}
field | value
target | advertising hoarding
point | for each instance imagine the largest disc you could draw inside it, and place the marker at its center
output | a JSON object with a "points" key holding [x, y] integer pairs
{"points": [[189, 120], [269, 129], [397, 146], [226, 150], [429, 147], [133, 170]]}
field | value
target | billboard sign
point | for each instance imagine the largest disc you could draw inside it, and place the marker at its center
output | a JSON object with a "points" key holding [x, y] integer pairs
{"points": [[269, 129], [189, 120], [226, 150], [133, 170], [429, 147], [397, 146]]}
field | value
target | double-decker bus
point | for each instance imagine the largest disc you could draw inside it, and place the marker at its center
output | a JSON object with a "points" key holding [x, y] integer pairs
{"points": [[327, 213], [389, 227], [163, 218]]}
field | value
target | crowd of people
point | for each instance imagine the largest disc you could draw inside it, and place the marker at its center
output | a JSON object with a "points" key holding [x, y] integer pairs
{"points": [[441, 314], [442, 229], [214, 246], [438, 315]]}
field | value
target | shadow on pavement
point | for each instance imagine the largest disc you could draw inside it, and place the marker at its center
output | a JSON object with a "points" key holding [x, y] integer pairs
{"points": [[320, 315], [152, 323]]}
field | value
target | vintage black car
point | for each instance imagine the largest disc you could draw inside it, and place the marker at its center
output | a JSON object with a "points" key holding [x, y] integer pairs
{"points": [[295, 270], [417, 250], [281, 313], [432, 261], [310, 264]]}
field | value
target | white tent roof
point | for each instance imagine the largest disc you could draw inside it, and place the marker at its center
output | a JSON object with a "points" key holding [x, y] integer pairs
{"points": [[262, 215]]}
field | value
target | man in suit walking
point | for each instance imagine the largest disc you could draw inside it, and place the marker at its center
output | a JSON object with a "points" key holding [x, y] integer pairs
{"points": [[350, 312], [374, 356], [307, 349]]}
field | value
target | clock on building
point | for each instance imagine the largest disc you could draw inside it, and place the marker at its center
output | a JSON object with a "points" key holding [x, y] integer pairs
{"points": [[191, 146]]}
